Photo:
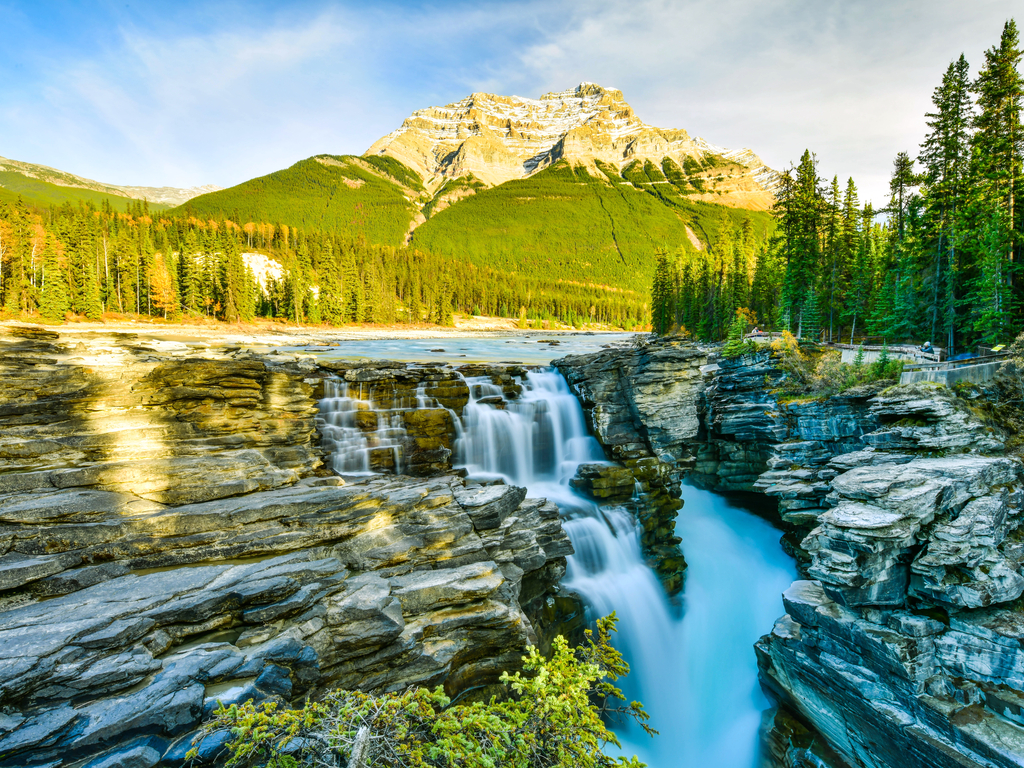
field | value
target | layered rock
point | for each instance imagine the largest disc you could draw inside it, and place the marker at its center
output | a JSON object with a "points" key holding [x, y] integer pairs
{"points": [[169, 539], [904, 647], [498, 138], [740, 419], [641, 403]]}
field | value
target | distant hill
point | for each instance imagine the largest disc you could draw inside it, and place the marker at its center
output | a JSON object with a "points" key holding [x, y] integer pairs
{"points": [[376, 198], [44, 186]]}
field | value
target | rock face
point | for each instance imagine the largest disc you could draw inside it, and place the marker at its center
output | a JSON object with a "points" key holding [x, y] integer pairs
{"points": [[903, 645], [640, 403], [169, 539], [499, 138]]}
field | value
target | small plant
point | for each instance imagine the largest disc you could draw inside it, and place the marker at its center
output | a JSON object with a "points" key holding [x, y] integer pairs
{"points": [[736, 345], [793, 362], [549, 719]]}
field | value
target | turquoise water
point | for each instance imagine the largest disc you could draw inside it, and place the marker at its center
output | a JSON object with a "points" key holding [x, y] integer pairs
{"points": [[527, 349]]}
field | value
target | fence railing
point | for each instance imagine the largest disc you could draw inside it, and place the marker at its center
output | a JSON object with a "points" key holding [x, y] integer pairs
{"points": [[947, 365]]}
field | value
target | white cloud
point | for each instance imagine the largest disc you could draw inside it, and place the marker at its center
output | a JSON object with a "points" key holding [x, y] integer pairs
{"points": [[235, 92]]}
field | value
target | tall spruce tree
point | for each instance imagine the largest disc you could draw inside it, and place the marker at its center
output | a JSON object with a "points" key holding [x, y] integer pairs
{"points": [[945, 157], [799, 213], [54, 302]]}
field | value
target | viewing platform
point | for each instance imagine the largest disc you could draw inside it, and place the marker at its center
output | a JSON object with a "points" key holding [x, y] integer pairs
{"points": [[973, 370]]}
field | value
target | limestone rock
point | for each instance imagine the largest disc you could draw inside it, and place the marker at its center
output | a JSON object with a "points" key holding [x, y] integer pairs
{"points": [[499, 138], [169, 540]]}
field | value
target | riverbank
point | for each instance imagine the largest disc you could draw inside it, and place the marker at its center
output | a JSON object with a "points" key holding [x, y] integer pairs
{"points": [[268, 333]]}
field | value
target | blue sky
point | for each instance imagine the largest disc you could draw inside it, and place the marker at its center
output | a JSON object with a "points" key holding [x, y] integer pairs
{"points": [[186, 93]]}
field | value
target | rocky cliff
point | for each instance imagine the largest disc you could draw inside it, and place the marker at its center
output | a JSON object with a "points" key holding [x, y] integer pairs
{"points": [[170, 538], [904, 643], [642, 405], [498, 138]]}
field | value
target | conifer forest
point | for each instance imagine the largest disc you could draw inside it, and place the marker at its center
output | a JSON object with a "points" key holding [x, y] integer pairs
{"points": [[941, 262]]}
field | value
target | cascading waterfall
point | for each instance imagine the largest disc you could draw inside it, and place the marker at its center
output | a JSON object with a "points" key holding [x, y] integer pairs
{"points": [[352, 446], [694, 669]]}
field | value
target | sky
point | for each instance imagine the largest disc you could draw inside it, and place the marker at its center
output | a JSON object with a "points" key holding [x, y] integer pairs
{"points": [[187, 93]]}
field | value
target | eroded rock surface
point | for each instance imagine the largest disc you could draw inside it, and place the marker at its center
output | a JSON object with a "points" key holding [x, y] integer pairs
{"points": [[903, 649], [643, 406], [170, 539]]}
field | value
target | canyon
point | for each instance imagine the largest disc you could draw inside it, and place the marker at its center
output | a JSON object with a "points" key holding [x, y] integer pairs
{"points": [[186, 524]]}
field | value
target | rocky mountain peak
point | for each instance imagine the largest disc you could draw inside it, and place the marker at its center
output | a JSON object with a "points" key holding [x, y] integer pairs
{"points": [[499, 138]]}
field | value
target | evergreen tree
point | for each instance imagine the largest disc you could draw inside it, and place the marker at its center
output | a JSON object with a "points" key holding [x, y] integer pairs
{"points": [[999, 138], [54, 302], [799, 211], [663, 309], [810, 316], [945, 156]]}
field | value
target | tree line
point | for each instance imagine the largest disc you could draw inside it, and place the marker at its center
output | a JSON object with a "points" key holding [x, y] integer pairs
{"points": [[942, 261], [88, 260]]}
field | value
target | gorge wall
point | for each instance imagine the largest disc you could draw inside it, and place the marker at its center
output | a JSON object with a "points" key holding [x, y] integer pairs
{"points": [[171, 538], [172, 535], [902, 506]]}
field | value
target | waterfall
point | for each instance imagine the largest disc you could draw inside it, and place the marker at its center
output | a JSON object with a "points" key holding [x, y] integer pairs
{"points": [[694, 669], [346, 414]]}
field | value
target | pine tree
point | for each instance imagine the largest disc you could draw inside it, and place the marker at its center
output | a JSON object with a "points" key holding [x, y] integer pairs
{"points": [[999, 137], [945, 157], [662, 294], [798, 210], [54, 301], [810, 316]]}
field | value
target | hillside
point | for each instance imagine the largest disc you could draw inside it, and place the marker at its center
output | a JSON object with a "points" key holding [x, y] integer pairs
{"points": [[44, 194], [376, 198], [567, 223], [502, 138], [42, 185]]}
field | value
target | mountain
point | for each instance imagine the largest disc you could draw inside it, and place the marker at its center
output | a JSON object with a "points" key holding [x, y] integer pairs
{"points": [[43, 185], [501, 138], [570, 187]]}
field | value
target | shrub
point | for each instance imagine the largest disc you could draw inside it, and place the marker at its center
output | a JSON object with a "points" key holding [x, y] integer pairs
{"points": [[792, 361], [831, 375], [551, 718], [736, 345]]}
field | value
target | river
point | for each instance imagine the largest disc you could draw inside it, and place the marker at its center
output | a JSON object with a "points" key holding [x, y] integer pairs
{"points": [[692, 664]]}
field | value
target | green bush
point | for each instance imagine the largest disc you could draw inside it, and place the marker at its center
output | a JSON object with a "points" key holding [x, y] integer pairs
{"points": [[551, 718], [736, 345]]}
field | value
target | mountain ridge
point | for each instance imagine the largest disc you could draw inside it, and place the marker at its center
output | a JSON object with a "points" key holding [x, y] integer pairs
{"points": [[502, 138], [168, 196]]}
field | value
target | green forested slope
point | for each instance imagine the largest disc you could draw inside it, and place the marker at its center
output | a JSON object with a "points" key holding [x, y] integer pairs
{"points": [[568, 224], [333, 193], [44, 194]]}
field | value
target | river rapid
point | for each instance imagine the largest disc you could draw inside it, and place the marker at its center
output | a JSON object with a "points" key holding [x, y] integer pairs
{"points": [[692, 663]]}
